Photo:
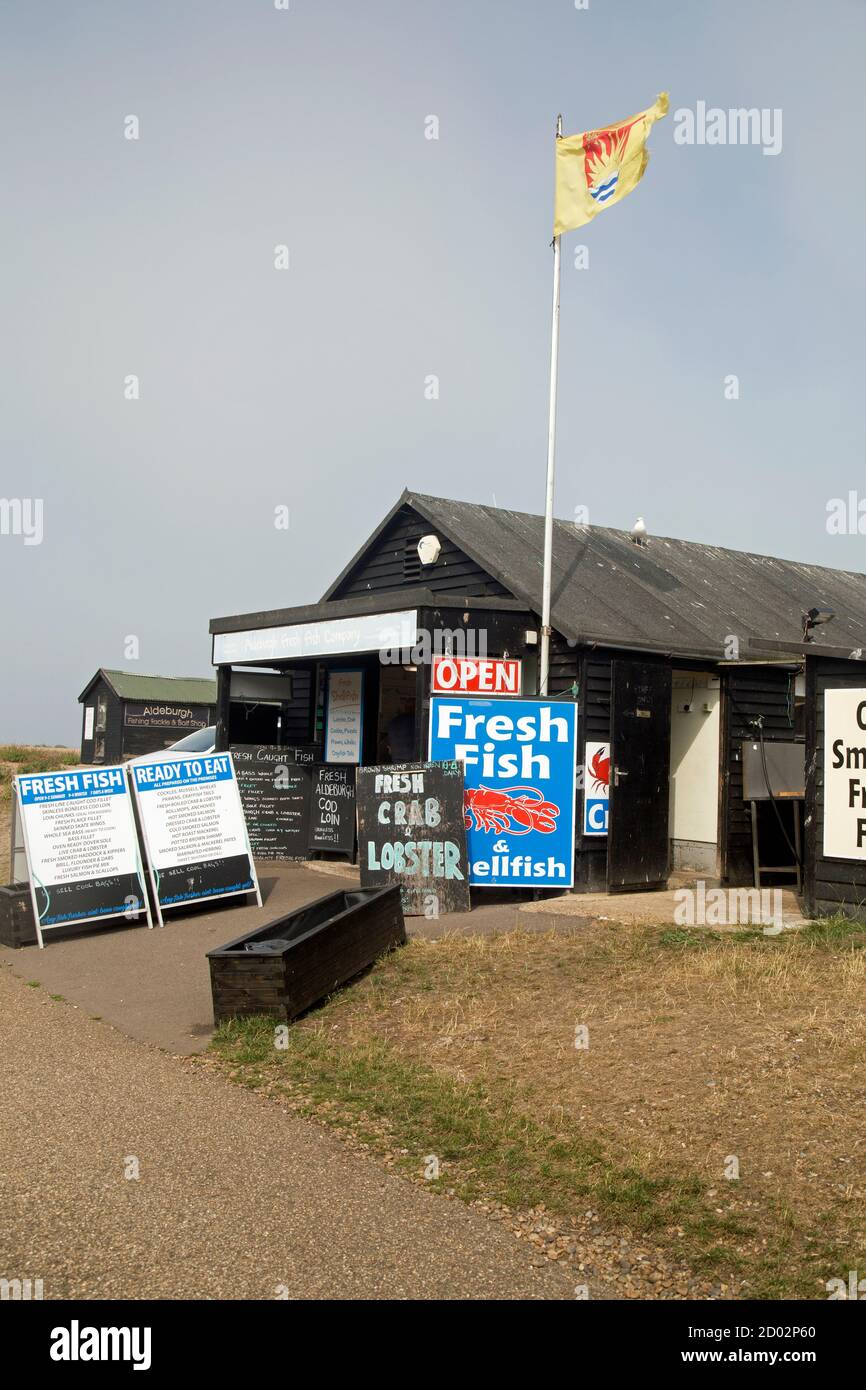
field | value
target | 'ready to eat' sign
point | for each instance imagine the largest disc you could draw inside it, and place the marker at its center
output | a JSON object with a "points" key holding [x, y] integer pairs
{"points": [[475, 675], [194, 830], [845, 774], [519, 759]]}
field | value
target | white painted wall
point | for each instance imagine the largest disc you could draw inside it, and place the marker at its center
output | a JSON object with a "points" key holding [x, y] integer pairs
{"points": [[694, 786]]}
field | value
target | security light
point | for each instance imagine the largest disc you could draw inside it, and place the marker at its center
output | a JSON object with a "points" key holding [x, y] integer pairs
{"points": [[813, 618]]}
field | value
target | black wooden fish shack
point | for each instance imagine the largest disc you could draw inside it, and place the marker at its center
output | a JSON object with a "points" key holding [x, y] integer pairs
{"points": [[125, 714], [683, 660]]}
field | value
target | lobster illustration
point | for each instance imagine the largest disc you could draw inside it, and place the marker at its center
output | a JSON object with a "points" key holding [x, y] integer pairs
{"points": [[494, 810], [599, 769]]}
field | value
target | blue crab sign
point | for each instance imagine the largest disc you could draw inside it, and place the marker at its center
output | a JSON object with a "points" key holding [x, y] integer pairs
{"points": [[519, 759]]}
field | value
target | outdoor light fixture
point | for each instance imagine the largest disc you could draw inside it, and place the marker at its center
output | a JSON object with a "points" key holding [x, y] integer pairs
{"points": [[814, 618], [429, 549]]}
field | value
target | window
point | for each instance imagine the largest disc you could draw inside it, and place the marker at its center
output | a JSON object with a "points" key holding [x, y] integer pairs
{"points": [[101, 713]]}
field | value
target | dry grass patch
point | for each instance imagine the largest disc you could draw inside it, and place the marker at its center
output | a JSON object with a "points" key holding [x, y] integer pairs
{"points": [[16, 758], [702, 1048]]}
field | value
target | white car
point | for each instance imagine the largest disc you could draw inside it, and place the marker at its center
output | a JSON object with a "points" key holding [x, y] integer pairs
{"points": [[199, 741]]}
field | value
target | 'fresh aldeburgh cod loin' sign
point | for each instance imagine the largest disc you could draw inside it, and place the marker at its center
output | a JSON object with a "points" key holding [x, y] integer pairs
{"points": [[81, 846], [519, 760], [194, 829], [845, 774], [411, 832]]}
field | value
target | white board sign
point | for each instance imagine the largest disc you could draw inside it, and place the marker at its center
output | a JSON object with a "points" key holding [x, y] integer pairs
{"points": [[82, 847], [371, 632], [194, 829], [88, 722], [344, 717], [845, 774]]}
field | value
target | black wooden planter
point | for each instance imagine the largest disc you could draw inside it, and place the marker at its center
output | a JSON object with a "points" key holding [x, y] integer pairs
{"points": [[296, 960], [17, 927]]}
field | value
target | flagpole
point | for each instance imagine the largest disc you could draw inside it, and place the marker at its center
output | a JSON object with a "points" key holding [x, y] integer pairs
{"points": [[551, 464]]}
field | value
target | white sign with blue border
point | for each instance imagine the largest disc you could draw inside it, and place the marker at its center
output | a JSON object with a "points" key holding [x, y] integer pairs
{"points": [[194, 829], [519, 759], [82, 847]]}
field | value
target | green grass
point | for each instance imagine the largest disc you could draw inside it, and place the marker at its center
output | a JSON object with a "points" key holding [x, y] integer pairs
{"points": [[488, 1147], [30, 759], [685, 939], [835, 932], [830, 933]]}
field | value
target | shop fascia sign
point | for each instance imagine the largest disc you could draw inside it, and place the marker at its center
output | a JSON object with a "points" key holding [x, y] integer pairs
{"points": [[372, 632]]}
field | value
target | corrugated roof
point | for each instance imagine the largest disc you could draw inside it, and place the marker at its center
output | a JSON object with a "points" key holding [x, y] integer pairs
{"points": [[131, 685], [679, 595]]}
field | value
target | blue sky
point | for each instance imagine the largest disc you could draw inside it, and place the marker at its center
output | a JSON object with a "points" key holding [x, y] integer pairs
{"points": [[408, 257]]}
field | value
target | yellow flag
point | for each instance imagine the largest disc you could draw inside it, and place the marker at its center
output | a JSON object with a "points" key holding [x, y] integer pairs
{"points": [[596, 169]]}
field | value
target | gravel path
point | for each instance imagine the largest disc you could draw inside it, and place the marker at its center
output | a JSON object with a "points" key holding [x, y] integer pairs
{"points": [[235, 1198]]}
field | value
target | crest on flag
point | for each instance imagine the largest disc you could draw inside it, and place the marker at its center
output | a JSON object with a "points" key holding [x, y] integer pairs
{"points": [[596, 169], [603, 153]]}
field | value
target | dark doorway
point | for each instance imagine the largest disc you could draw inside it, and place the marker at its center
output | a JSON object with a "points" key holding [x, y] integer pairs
{"points": [[638, 847], [251, 721], [396, 738]]}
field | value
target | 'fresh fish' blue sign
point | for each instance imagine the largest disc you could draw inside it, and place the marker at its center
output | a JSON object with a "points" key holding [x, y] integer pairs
{"points": [[519, 759]]}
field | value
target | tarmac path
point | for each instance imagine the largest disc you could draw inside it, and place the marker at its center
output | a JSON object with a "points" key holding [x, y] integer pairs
{"points": [[235, 1198]]}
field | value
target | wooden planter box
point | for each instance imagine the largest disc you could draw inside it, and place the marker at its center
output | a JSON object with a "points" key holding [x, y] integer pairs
{"points": [[296, 960], [17, 927]]}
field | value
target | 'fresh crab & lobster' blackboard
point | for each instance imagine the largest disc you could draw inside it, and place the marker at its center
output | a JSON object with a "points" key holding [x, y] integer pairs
{"points": [[411, 832]]}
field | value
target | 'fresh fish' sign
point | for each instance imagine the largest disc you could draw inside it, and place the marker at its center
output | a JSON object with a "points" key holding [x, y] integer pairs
{"points": [[519, 760]]}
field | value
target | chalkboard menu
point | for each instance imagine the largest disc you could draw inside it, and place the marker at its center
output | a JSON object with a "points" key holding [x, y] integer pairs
{"points": [[275, 792], [332, 808], [411, 832], [304, 753]]}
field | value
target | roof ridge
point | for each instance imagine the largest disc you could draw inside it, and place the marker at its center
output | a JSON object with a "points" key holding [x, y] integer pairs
{"points": [[624, 534], [151, 675]]}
